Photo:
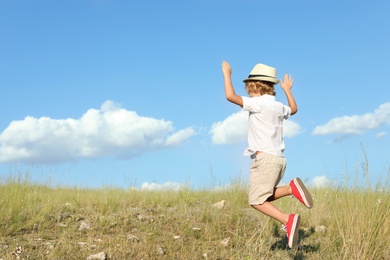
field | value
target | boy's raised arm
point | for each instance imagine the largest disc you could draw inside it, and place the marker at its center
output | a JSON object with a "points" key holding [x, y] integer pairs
{"points": [[286, 86], [229, 90]]}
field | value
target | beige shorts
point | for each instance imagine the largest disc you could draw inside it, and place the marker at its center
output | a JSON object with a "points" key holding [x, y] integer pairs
{"points": [[265, 174]]}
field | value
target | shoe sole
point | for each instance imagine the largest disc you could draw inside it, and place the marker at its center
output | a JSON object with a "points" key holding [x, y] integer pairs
{"points": [[293, 238], [305, 194]]}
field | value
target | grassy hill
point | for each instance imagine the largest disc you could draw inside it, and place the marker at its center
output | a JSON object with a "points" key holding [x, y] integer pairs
{"points": [[38, 222]]}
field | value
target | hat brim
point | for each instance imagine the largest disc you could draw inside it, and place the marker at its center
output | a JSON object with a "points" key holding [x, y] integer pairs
{"points": [[269, 79]]}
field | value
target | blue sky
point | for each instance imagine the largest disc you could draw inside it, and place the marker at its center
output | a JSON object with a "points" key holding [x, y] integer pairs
{"points": [[130, 93]]}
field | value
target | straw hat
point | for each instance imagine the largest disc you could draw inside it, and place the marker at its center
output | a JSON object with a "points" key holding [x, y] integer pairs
{"points": [[264, 73]]}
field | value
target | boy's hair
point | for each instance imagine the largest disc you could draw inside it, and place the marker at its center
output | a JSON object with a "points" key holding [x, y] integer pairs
{"points": [[260, 87]]}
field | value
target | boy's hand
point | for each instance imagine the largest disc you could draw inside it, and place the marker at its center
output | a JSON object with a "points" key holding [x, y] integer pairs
{"points": [[286, 86], [226, 70], [288, 82]]}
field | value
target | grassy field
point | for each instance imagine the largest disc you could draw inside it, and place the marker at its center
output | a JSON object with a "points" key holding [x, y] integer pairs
{"points": [[38, 222]]}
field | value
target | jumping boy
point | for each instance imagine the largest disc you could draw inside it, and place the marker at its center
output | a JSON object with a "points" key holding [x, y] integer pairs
{"points": [[266, 145]]}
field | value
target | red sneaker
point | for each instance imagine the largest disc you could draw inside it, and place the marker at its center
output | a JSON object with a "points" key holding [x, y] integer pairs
{"points": [[300, 192], [292, 228]]}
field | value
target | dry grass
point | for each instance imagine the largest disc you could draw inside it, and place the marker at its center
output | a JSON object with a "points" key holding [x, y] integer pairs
{"points": [[38, 222]]}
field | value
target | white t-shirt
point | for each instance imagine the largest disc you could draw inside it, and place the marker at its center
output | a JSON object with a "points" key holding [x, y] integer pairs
{"points": [[265, 125]]}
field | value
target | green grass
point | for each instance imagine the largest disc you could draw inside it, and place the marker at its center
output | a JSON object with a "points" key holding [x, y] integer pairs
{"points": [[39, 222]]}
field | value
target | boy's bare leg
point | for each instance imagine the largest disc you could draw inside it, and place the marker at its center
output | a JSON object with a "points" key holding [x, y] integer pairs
{"points": [[269, 209], [280, 192]]}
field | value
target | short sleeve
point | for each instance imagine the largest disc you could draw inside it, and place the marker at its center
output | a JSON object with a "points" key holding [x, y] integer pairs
{"points": [[249, 104], [287, 112], [245, 101]]}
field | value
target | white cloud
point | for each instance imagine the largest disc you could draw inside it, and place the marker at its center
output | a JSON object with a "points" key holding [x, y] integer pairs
{"points": [[381, 134], [356, 124], [235, 128], [232, 129], [320, 182], [108, 131], [178, 137], [170, 186], [291, 128]]}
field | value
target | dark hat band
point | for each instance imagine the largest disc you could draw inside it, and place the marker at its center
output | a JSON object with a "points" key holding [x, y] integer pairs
{"points": [[259, 75]]}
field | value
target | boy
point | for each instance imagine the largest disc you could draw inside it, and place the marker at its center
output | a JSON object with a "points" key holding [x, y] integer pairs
{"points": [[266, 145]]}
